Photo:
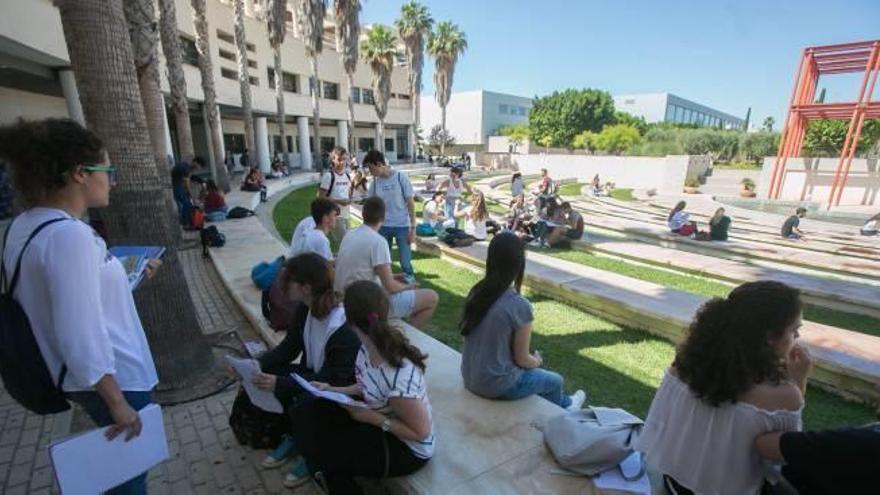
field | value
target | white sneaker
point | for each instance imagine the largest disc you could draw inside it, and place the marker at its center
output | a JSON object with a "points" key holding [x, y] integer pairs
{"points": [[577, 400]]}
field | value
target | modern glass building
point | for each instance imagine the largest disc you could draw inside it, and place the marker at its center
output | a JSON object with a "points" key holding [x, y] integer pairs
{"points": [[667, 107]]}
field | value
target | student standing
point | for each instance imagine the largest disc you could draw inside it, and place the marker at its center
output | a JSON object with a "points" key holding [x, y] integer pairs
{"points": [[336, 185], [454, 187]]}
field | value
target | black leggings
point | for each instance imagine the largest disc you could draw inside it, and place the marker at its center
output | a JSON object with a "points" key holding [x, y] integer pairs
{"points": [[341, 448]]}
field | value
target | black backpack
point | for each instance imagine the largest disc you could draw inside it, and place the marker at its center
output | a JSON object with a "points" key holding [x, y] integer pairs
{"points": [[211, 237], [22, 367], [239, 212]]}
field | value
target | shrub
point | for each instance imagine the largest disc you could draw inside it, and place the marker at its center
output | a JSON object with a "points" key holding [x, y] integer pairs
{"points": [[616, 139], [748, 183]]}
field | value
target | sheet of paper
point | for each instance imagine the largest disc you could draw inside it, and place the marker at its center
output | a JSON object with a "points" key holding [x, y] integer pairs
{"points": [[326, 394], [247, 369], [612, 480], [134, 259], [90, 464]]}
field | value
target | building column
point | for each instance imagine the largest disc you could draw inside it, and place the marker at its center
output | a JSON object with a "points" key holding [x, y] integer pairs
{"points": [[342, 134], [169, 148], [413, 146], [71, 95], [261, 135], [305, 151]]}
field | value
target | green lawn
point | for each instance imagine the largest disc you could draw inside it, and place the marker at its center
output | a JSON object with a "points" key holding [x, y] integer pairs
{"points": [[616, 366], [623, 194], [571, 189]]}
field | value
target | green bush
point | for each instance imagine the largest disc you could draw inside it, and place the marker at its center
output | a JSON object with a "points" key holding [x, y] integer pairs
{"points": [[615, 139], [563, 115]]}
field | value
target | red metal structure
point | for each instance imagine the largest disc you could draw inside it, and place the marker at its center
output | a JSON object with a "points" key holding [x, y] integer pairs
{"points": [[863, 57]]}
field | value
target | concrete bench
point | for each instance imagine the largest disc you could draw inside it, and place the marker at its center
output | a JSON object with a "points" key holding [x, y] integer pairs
{"points": [[482, 446]]}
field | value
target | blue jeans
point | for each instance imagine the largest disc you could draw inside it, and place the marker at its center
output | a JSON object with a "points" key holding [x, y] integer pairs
{"points": [[97, 410], [539, 381], [403, 247]]}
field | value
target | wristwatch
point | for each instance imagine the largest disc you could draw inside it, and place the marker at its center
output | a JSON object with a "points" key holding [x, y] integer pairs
{"points": [[386, 424]]}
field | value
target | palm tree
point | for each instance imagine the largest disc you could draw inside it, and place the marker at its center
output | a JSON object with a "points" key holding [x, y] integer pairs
{"points": [[176, 78], [276, 23], [206, 69], [310, 21], [244, 78], [379, 50], [446, 44], [142, 210], [348, 33], [414, 26]]}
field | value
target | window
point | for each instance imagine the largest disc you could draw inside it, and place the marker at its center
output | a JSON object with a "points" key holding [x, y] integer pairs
{"points": [[327, 144], [523, 111], [228, 73], [670, 113], [251, 47], [679, 115], [403, 96], [356, 94], [288, 80], [233, 142], [502, 108], [366, 144], [367, 96], [252, 64], [227, 55], [688, 116], [331, 90], [389, 145], [189, 52], [254, 81], [224, 36]]}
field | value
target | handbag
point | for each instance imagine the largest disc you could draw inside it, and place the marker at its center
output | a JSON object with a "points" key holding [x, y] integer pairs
{"points": [[255, 427]]}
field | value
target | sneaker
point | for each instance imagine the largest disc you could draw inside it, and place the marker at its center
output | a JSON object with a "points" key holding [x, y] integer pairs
{"points": [[282, 452], [298, 475], [410, 280], [577, 400]]}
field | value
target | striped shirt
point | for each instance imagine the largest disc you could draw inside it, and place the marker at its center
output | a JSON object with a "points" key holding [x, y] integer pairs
{"points": [[384, 382]]}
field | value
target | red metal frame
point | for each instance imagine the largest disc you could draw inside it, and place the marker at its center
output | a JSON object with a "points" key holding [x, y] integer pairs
{"points": [[845, 58]]}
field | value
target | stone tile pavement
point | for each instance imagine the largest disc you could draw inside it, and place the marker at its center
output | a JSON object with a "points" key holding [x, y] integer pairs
{"points": [[205, 457]]}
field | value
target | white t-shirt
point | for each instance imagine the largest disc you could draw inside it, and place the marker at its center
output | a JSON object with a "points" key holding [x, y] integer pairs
{"points": [[298, 238], [384, 382], [429, 212], [361, 251], [317, 332], [341, 188], [79, 304], [316, 242], [476, 228]]}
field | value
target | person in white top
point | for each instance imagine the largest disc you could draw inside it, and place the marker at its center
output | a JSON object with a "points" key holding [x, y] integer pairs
{"points": [[299, 235], [315, 240], [394, 434], [76, 294], [739, 374], [475, 216], [679, 221], [364, 255], [336, 185], [432, 212], [454, 187]]}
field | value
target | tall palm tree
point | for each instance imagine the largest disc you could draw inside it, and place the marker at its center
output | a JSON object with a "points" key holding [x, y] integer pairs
{"points": [[142, 210], [206, 69], [380, 50], [348, 33], [310, 22], [244, 79], [276, 23], [414, 26], [446, 44], [176, 78]]}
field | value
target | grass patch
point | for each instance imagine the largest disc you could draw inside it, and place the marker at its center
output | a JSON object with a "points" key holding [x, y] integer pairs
{"points": [[571, 189], [615, 365], [737, 165], [623, 194]]}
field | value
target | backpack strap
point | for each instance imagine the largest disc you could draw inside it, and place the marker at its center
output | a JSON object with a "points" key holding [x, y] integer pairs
{"points": [[16, 272]]}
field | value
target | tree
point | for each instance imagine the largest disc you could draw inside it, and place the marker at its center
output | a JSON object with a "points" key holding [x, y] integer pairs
{"points": [[767, 126], [142, 210], [585, 141], [546, 141], [827, 137], [348, 33], [244, 78], [631, 120], [310, 22], [206, 70], [516, 133], [754, 146], [380, 50], [439, 138], [615, 139], [562, 115], [176, 77], [446, 44], [721, 145], [414, 26], [276, 27]]}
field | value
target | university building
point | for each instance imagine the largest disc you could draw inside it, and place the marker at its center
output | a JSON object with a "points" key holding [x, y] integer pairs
{"points": [[36, 81], [667, 107]]}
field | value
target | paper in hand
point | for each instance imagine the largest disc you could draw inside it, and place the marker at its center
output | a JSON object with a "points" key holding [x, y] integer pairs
{"points": [[247, 369], [326, 394]]}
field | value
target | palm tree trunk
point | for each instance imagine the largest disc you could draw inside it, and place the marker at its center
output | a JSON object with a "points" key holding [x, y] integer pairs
{"points": [[176, 78], [279, 101], [142, 210], [414, 100], [244, 82], [381, 135], [351, 144], [443, 126], [316, 109], [206, 69]]}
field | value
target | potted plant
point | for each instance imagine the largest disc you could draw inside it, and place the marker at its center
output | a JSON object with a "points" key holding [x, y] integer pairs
{"points": [[748, 188], [692, 185]]}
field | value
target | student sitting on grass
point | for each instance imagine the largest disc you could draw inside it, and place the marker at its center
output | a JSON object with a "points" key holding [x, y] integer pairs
{"points": [[517, 186], [738, 374], [719, 224], [394, 434], [790, 229], [571, 229], [496, 362], [679, 221], [872, 226]]}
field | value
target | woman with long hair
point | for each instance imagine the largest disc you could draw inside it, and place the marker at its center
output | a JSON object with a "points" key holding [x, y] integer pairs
{"points": [[679, 221], [719, 224], [214, 202], [738, 374], [454, 187], [496, 323], [392, 434], [517, 186], [74, 292], [322, 344], [475, 216]]}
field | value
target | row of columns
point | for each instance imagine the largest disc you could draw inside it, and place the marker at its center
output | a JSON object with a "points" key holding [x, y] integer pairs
{"points": [[261, 129]]}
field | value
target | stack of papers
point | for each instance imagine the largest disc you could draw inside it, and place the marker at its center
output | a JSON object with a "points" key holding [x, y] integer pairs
{"points": [[134, 259], [612, 479], [326, 394], [247, 369]]}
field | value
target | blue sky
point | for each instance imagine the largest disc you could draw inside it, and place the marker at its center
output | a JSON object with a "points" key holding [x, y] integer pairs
{"points": [[726, 54]]}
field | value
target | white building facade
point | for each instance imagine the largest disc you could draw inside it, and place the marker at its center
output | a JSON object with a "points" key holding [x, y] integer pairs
{"points": [[36, 82], [666, 107], [473, 116]]}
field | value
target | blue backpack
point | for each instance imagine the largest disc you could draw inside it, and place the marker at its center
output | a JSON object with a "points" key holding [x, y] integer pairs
{"points": [[263, 274], [22, 367]]}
